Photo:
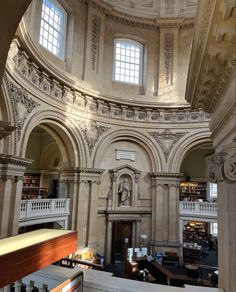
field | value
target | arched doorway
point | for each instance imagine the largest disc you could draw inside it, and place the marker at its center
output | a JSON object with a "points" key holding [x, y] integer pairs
{"points": [[47, 197], [198, 209]]}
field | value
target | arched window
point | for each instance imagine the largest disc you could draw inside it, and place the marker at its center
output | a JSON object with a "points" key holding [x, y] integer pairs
{"points": [[53, 27], [128, 61]]}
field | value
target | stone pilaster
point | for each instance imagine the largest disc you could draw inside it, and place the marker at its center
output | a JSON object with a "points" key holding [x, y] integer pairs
{"points": [[88, 186], [11, 176], [221, 168], [68, 188], [165, 211]]}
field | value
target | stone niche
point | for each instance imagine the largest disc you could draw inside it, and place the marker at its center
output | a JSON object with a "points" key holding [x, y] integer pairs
{"points": [[124, 180]]}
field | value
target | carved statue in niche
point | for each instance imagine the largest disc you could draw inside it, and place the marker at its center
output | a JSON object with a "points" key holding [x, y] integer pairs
{"points": [[124, 192]]}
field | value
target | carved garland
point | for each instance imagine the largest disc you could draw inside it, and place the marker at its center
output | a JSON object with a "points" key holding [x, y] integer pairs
{"points": [[95, 42], [169, 58]]}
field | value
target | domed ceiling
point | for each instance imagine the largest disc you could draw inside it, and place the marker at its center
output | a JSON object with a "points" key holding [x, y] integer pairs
{"points": [[156, 8]]}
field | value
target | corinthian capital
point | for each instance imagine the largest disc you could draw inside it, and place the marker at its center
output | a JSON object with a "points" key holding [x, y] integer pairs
{"points": [[229, 168], [222, 166], [214, 168]]}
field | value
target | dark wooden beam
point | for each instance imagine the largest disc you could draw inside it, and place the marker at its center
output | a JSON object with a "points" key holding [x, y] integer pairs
{"points": [[24, 254]]}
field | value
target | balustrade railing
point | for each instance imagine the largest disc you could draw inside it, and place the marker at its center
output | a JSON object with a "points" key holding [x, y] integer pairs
{"points": [[198, 208], [43, 207]]}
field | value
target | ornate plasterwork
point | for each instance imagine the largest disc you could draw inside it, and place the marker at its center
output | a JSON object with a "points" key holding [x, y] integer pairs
{"points": [[91, 131], [155, 8], [167, 139], [86, 104], [22, 104], [95, 42], [213, 57], [146, 20], [222, 166], [169, 57]]}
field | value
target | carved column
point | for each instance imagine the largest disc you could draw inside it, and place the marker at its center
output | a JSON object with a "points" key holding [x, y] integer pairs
{"points": [[221, 168], [11, 175], [88, 184], [165, 211]]}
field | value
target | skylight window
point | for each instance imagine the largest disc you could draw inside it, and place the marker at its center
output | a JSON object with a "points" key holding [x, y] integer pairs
{"points": [[53, 27], [128, 56]]}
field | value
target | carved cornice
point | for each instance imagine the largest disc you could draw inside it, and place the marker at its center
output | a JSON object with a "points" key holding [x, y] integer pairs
{"points": [[93, 105], [166, 175], [10, 159], [90, 170], [213, 59]]}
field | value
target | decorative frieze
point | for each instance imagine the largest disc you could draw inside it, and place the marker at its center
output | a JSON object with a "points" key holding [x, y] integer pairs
{"points": [[95, 42], [91, 131], [167, 139], [65, 94]]}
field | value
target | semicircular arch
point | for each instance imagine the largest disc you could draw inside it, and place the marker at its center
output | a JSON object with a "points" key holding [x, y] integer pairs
{"points": [[190, 142], [64, 132], [132, 136]]}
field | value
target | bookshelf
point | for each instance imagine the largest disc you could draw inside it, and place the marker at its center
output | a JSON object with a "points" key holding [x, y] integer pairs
{"points": [[31, 187], [193, 191]]}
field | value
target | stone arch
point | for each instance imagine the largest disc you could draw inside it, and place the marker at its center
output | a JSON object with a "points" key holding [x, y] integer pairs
{"points": [[132, 136], [64, 133], [191, 141]]}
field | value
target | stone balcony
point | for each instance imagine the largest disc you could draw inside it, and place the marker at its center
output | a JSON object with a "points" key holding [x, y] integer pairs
{"points": [[198, 209], [44, 210]]}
